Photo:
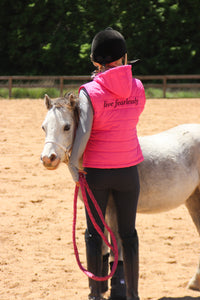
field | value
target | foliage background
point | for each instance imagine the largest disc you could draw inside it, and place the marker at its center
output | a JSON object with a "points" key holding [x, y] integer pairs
{"points": [[53, 37]]}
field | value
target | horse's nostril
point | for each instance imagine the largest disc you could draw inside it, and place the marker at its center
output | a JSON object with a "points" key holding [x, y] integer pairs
{"points": [[53, 157]]}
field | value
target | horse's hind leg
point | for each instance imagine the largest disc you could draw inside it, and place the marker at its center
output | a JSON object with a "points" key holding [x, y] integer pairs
{"points": [[193, 206]]}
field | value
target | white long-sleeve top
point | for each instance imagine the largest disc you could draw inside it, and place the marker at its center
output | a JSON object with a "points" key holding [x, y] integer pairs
{"points": [[82, 134]]}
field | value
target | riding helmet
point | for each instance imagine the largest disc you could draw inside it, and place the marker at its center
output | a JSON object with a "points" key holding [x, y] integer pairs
{"points": [[107, 46]]}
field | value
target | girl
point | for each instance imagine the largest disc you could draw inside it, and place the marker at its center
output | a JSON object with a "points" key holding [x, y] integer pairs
{"points": [[107, 140]]}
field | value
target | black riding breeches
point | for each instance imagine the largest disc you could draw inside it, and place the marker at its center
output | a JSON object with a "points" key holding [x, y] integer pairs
{"points": [[123, 183]]}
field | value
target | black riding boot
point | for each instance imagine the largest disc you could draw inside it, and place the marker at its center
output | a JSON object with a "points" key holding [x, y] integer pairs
{"points": [[118, 287], [131, 266], [94, 263]]}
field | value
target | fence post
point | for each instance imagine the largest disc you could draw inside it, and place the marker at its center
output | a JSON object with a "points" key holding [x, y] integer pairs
{"points": [[10, 87], [164, 86], [61, 86]]}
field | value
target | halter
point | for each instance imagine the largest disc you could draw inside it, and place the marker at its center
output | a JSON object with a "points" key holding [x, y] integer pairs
{"points": [[66, 150]]}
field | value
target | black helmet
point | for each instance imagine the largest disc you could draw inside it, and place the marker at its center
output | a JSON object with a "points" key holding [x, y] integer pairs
{"points": [[107, 46]]}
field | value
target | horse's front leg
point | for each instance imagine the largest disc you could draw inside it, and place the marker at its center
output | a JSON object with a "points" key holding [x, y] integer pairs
{"points": [[111, 219], [118, 288]]}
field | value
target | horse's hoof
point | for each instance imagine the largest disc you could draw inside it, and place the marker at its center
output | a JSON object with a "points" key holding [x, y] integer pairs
{"points": [[194, 283]]}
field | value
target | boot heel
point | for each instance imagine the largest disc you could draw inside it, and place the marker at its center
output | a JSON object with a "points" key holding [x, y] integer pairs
{"points": [[118, 286]]}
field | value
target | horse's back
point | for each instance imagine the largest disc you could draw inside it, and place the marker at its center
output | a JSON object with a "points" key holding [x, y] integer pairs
{"points": [[170, 170]]}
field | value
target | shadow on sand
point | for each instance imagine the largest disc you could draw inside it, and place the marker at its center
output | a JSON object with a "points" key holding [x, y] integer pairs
{"points": [[180, 298]]}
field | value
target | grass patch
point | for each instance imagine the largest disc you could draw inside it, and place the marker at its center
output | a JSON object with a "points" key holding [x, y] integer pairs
{"points": [[183, 93], [153, 93], [4, 93], [33, 93]]}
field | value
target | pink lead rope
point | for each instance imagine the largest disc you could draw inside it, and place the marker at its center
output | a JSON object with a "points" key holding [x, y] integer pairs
{"points": [[84, 186]]}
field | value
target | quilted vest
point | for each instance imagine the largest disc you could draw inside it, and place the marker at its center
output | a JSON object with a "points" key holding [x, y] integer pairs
{"points": [[117, 100]]}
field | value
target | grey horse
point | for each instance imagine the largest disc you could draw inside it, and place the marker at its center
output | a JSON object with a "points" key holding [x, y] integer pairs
{"points": [[169, 174]]}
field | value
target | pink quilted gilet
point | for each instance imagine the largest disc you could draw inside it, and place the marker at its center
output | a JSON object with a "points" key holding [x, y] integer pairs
{"points": [[117, 100]]}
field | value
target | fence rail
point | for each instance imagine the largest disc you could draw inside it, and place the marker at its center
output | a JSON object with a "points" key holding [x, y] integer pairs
{"points": [[61, 82]]}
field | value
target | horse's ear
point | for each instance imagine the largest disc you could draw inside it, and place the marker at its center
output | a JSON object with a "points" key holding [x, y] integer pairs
{"points": [[67, 94], [47, 101], [72, 99]]}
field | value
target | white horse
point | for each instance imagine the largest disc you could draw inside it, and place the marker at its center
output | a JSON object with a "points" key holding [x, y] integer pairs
{"points": [[169, 174]]}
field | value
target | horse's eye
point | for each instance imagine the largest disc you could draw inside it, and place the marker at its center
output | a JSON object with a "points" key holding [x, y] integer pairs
{"points": [[67, 127], [43, 128]]}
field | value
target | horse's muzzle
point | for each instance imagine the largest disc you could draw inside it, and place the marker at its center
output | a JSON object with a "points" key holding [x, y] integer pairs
{"points": [[51, 162]]}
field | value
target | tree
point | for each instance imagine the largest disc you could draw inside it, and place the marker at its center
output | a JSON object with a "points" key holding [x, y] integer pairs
{"points": [[53, 37], [163, 35]]}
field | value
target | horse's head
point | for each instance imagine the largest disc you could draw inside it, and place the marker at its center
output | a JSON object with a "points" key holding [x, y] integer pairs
{"points": [[59, 127]]}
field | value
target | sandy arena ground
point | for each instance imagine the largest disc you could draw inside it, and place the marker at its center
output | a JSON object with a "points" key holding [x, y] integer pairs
{"points": [[36, 252]]}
